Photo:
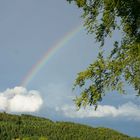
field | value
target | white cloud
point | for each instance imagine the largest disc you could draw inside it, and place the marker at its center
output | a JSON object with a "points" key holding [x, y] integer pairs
{"points": [[19, 99], [129, 110]]}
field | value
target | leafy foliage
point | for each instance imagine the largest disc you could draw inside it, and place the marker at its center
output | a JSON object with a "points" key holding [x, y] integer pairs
{"points": [[102, 18], [27, 127]]}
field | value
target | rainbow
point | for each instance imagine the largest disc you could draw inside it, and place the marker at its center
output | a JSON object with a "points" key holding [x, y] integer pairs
{"points": [[47, 56]]}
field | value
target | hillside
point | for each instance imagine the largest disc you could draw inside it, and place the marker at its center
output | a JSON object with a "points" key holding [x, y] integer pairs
{"points": [[27, 127]]}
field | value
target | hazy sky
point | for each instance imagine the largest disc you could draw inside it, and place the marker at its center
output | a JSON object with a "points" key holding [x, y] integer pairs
{"points": [[28, 29]]}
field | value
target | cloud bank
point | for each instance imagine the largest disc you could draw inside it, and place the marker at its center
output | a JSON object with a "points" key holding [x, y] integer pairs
{"points": [[19, 99], [128, 110]]}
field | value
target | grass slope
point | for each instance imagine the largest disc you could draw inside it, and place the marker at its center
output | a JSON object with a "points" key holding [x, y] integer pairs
{"points": [[27, 127]]}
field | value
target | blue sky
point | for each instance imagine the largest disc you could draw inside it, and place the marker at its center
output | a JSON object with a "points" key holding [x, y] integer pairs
{"points": [[27, 30]]}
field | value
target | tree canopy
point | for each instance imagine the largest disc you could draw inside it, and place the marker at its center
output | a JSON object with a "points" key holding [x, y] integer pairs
{"points": [[102, 18]]}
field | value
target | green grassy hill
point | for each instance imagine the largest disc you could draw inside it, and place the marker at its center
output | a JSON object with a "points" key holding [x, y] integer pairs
{"points": [[27, 127]]}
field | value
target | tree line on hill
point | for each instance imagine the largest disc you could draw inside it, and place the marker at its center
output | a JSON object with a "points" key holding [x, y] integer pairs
{"points": [[27, 127]]}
